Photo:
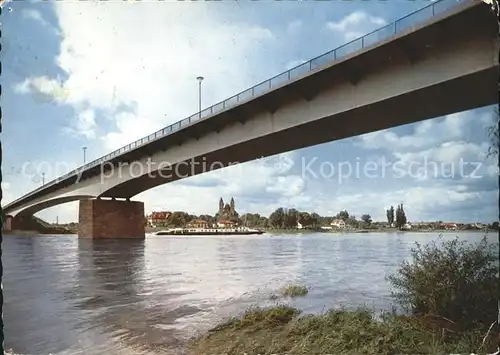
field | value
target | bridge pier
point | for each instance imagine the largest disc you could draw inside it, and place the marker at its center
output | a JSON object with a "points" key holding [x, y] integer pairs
{"points": [[7, 223], [106, 219], [11, 223]]}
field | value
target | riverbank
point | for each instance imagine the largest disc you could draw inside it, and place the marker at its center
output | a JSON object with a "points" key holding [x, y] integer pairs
{"points": [[346, 231], [23, 233], [381, 230], [284, 330]]}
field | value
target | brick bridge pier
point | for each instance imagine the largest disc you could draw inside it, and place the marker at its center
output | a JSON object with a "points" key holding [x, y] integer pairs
{"points": [[104, 219]]}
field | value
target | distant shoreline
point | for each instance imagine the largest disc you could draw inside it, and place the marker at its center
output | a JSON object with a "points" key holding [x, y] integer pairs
{"points": [[149, 230], [357, 231], [362, 231]]}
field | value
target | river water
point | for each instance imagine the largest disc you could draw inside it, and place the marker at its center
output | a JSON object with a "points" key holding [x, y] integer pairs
{"points": [[66, 296]]}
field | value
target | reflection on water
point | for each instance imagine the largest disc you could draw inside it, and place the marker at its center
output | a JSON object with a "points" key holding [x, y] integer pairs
{"points": [[66, 296]]}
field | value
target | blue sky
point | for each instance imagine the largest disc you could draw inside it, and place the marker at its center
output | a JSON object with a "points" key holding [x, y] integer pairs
{"points": [[101, 75]]}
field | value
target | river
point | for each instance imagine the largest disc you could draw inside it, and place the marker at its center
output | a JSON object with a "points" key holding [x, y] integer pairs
{"points": [[65, 296]]}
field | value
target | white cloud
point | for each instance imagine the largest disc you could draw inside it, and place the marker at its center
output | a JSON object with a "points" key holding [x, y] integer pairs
{"points": [[294, 27], [427, 133], [418, 201], [85, 125], [34, 15], [356, 25], [43, 88], [447, 152], [115, 60]]}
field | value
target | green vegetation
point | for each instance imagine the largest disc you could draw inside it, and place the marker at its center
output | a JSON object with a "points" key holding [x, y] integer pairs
{"points": [[448, 290], [278, 330], [400, 217], [390, 216], [494, 135], [33, 224], [454, 280], [294, 291]]}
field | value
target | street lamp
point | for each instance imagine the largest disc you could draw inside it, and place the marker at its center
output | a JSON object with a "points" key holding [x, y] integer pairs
{"points": [[43, 179], [200, 79], [84, 154]]}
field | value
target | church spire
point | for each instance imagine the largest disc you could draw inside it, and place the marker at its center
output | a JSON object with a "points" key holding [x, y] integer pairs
{"points": [[221, 205]]}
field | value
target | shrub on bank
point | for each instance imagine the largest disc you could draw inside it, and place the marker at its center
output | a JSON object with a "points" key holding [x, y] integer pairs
{"points": [[294, 291], [454, 280]]}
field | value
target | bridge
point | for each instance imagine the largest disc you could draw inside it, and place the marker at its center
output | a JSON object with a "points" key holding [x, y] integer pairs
{"points": [[436, 61]]}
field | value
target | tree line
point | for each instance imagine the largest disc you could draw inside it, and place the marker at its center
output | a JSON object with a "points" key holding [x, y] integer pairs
{"points": [[397, 218], [281, 218]]}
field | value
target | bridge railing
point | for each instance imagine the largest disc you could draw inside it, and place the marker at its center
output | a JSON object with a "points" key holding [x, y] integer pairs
{"points": [[405, 23]]}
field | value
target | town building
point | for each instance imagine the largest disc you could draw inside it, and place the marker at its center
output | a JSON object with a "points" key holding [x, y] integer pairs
{"points": [[227, 214], [158, 218], [224, 223], [338, 223], [198, 223]]}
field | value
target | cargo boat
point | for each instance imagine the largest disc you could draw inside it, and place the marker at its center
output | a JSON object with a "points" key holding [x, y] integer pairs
{"points": [[209, 231]]}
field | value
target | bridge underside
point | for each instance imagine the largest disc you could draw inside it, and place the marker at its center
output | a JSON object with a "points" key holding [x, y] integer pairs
{"points": [[435, 101]]}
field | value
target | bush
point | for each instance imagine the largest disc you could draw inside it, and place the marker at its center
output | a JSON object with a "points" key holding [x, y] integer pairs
{"points": [[294, 291], [456, 281]]}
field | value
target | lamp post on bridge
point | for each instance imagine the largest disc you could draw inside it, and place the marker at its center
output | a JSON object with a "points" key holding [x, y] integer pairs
{"points": [[84, 155], [200, 79], [43, 179]]}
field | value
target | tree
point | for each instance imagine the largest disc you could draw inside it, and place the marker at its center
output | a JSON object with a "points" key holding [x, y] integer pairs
{"points": [[305, 219], [178, 219], [253, 220], [494, 136], [343, 215], [352, 221], [277, 218], [315, 218], [366, 218], [400, 217], [291, 218], [390, 215]]}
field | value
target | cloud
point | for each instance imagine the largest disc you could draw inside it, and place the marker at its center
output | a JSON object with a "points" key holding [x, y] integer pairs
{"points": [[426, 133], [85, 125], [34, 15], [421, 203], [111, 64], [294, 27], [355, 25], [43, 88]]}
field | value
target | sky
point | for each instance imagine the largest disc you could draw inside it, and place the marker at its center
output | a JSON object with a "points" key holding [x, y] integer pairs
{"points": [[103, 74]]}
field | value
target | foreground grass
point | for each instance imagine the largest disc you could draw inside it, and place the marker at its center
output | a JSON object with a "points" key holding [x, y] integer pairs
{"points": [[282, 330], [294, 291]]}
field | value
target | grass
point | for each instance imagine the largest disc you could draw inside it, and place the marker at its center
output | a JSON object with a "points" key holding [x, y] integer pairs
{"points": [[283, 330], [294, 291]]}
